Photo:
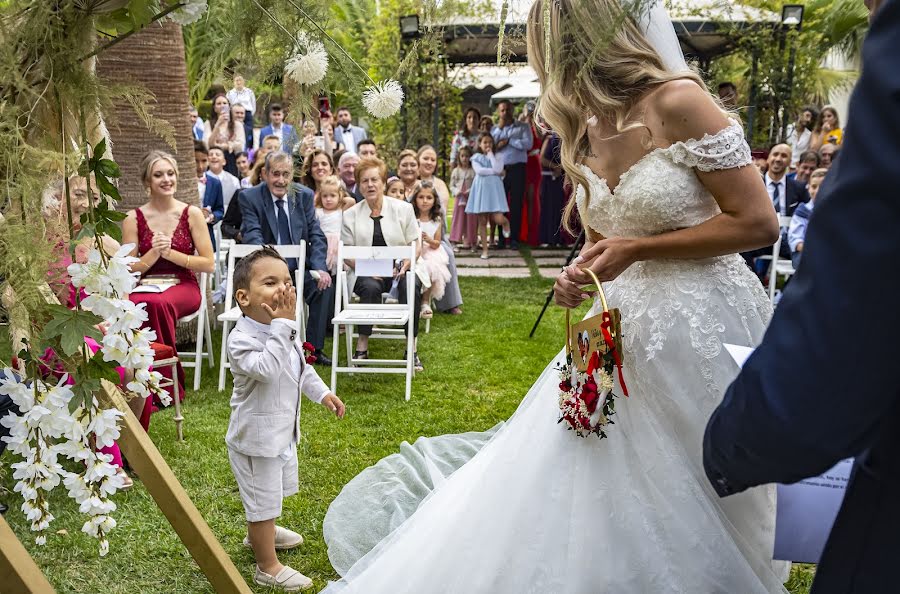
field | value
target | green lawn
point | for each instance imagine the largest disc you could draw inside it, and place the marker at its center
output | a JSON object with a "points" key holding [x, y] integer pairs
{"points": [[478, 366]]}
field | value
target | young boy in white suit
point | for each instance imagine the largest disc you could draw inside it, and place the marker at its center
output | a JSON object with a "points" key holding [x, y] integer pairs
{"points": [[270, 373]]}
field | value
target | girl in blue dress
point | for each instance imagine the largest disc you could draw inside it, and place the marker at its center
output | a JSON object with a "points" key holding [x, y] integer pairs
{"points": [[487, 199]]}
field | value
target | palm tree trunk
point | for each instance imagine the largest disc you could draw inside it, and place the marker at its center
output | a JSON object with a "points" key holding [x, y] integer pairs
{"points": [[152, 58]]}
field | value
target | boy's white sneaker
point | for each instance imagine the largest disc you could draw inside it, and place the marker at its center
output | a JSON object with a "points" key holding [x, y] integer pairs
{"points": [[289, 580], [284, 539]]}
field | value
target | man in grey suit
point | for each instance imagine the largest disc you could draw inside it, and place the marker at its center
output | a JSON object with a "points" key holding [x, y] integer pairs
{"points": [[346, 133]]}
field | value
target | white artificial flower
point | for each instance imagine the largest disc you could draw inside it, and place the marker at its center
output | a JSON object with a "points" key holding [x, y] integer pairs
{"points": [[40, 540], [90, 526], [105, 426], [78, 488], [74, 448], [383, 99], [114, 279], [128, 316], [104, 547], [115, 347], [110, 309], [27, 490], [34, 416], [137, 388], [42, 525], [189, 13], [139, 355], [308, 62], [31, 512], [59, 395], [88, 276], [111, 485], [99, 468], [96, 506], [21, 394]]}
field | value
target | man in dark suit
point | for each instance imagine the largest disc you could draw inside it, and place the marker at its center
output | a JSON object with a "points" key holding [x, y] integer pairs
{"points": [[823, 385], [231, 222], [210, 190], [280, 212]]}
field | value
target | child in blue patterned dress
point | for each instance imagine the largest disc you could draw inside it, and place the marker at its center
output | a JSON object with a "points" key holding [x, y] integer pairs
{"points": [[487, 199]]}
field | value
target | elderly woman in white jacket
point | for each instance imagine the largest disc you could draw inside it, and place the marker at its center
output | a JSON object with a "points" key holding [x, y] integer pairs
{"points": [[379, 222]]}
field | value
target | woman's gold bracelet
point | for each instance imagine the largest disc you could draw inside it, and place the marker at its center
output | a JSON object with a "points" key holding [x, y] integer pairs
{"points": [[188, 263]]}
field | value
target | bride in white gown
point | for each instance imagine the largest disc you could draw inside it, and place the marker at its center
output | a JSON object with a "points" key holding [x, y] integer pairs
{"points": [[529, 506]]}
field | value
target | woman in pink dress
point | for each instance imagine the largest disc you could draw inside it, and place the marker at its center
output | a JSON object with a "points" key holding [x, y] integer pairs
{"points": [[171, 238], [57, 233]]}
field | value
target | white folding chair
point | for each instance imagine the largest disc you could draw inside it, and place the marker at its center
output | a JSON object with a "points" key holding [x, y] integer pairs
{"points": [[221, 256], [390, 319], [778, 266], [232, 312], [203, 348]]}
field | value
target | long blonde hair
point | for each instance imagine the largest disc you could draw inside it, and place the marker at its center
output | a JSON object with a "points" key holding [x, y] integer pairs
{"points": [[599, 64]]}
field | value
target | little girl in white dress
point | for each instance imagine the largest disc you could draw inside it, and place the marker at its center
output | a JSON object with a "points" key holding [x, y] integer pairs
{"points": [[434, 260], [331, 202]]}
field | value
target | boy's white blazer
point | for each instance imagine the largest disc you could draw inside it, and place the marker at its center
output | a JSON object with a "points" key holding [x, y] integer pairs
{"points": [[265, 403]]}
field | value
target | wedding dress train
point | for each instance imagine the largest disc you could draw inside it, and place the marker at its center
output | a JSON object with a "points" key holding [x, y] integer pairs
{"points": [[529, 506]]}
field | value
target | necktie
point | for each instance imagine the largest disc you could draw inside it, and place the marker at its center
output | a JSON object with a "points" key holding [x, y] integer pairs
{"points": [[776, 196], [284, 231], [284, 228]]}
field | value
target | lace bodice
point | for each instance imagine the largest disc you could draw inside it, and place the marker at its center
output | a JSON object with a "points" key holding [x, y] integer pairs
{"points": [[660, 192], [700, 301]]}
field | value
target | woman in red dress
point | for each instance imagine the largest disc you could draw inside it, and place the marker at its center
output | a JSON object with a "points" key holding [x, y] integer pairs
{"points": [[172, 239], [533, 176]]}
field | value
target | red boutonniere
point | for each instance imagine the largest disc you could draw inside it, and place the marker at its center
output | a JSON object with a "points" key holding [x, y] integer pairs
{"points": [[309, 353]]}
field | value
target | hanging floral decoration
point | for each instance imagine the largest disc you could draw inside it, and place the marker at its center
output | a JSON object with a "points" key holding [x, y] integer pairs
{"points": [[107, 283], [53, 422], [190, 12], [58, 375], [383, 99], [309, 62]]}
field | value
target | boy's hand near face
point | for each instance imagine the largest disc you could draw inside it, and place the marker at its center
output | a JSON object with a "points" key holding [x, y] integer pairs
{"points": [[284, 306]]}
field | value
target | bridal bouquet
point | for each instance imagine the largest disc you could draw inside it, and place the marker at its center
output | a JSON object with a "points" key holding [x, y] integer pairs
{"points": [[593, 347]]}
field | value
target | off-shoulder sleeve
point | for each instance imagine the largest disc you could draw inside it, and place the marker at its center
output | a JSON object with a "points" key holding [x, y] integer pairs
{"points": [[726, 149]]}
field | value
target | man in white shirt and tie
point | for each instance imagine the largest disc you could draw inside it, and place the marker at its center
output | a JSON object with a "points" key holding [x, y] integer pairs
{"points": [[346, 133], [786, 195]]}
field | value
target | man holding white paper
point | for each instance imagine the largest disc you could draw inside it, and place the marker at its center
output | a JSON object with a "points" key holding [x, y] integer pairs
{"points": [[823, 385]]}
